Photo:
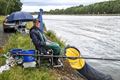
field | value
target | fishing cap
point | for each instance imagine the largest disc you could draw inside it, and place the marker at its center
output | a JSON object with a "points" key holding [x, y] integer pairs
{"points": [[35, 20]]}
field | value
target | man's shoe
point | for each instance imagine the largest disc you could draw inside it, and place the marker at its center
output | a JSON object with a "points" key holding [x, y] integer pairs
{"points": [[58, 63]]}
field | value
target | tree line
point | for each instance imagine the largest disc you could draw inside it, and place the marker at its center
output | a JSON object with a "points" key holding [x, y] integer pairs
{"points": [[9, 6], [107, 7]]}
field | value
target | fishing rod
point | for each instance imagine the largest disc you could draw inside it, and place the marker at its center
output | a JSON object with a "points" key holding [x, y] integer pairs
{"points": [[55, 56], [79, 57]]}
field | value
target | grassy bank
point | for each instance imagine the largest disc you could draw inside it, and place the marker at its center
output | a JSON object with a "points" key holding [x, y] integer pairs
{"points": [[23, 41], [17, 72], [52, 36]]}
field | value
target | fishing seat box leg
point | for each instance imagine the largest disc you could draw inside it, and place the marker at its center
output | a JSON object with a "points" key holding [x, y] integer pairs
{"points": [[44, 58]]}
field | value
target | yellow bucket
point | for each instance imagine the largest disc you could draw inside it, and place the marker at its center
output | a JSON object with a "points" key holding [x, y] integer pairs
{"points": [[75, 63]]}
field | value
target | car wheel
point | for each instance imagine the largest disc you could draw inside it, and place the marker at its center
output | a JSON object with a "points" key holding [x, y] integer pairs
{"points": [[5, 30]]}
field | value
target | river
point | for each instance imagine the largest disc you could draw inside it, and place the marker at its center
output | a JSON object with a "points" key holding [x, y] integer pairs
{"points": [[95, 36]]}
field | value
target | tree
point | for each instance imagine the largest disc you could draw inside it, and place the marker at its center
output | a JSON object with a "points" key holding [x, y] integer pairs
{"points": [[9, 6], [109, 7], [3, 4]]}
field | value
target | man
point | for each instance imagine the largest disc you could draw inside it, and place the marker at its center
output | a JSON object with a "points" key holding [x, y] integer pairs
{"points": [[41, 43]]}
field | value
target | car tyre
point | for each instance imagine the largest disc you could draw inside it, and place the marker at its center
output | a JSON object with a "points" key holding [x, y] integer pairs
{"points": [[5, 30]]}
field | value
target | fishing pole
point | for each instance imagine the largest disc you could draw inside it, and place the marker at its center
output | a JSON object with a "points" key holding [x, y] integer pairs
{"points": [[110, 59], [55, 56]]}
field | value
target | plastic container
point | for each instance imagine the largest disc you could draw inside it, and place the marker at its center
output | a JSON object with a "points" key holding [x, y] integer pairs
{"points": [[15, 51], [28, 58], [29, 64]]}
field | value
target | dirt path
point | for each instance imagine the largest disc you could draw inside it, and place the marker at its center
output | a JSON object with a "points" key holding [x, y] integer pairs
{"points": [[3, 36], [67, 73]]}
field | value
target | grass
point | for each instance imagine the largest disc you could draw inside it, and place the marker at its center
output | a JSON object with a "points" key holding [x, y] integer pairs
{"points": [[1, 19], [23, 41], [29, 25], [52, 36], [18, 73], [18, 41]]}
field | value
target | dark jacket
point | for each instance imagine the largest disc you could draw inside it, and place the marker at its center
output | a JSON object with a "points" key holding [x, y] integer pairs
{"points": [[38, 38]]}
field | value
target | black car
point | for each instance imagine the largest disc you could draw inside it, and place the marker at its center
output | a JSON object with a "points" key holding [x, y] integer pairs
{"points": [[12, 26], [8, 26]]}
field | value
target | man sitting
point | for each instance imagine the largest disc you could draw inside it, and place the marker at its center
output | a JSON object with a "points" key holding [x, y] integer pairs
{"points": [[41, 43]]}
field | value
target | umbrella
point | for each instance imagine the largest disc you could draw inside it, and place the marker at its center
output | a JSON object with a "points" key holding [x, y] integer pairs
{"points": [[20, 16], [41, 20]]}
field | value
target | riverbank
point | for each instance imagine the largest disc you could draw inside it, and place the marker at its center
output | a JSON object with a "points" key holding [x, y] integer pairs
{"points": [[43, 73], [17, 72]]}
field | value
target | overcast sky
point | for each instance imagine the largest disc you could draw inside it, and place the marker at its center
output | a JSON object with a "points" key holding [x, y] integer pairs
{"points": [[46, 5]]}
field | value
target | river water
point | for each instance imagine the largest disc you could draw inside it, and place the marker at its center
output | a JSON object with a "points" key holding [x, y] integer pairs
{"points": [[95, 36]]}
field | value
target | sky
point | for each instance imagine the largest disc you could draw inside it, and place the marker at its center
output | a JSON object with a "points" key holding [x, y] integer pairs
{"points": [[46, 5]]}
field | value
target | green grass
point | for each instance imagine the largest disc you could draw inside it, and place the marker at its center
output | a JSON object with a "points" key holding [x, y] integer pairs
{"points": [[18, 73], [52, 36], [29, 25], [23, 41], [18, 41], [1, 19]]}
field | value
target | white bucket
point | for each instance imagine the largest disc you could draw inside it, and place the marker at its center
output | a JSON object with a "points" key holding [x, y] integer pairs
{"points": [[29, 64]]}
